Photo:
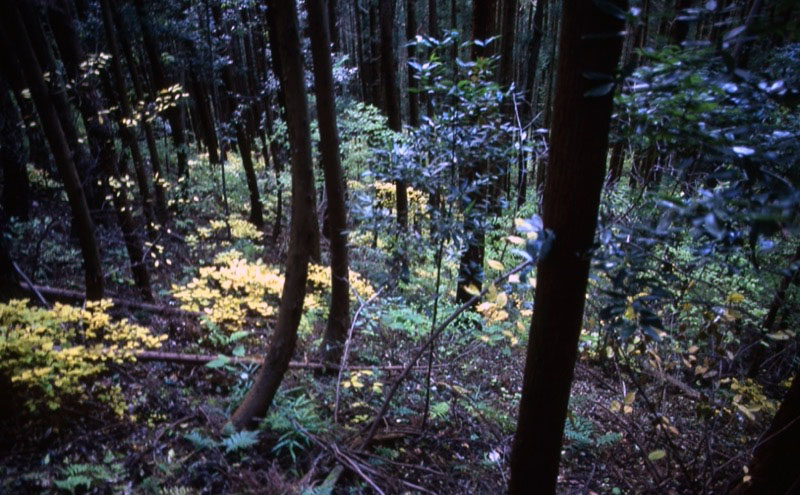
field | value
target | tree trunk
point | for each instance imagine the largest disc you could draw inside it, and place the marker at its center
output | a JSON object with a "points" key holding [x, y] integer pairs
{"points": [[126, 130], [98, 130], [774, 468], [16, 198], [386, 14], [332, 28], [470, 271], [160, 82], [15, 35], [509, 24], [155, 161], [303, 225], [571, 202], [411, 35], [87, 170], [529, 109], [339, 309]]}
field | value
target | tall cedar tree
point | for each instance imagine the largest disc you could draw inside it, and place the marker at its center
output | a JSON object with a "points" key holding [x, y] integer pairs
{"points": [[100, 136], [303, 230], [160, 82], [126, 116], [389, 76], [339, 312], [124, 39], [470, 270], [411, 34], [774, 468], [14, 34], [589, 43], [16, 199]]}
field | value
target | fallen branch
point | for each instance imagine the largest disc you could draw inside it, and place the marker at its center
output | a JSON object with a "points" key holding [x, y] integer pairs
{"points": [[201, 359], [421, 350], [79, 296]]}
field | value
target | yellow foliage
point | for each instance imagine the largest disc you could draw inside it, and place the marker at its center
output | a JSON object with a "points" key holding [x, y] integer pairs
{"points": [[233, 289], [60, 353]]}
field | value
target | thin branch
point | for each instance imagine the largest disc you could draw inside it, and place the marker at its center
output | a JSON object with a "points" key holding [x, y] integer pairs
{"points": [[343, 364], [421, 350]]}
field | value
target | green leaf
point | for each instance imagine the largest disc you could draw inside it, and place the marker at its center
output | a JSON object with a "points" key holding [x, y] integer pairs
{"points": [[219, 362], [657, 455]]}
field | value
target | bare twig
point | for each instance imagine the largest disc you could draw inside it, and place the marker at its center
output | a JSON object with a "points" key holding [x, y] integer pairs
{"points": [[346, 351], [30, 285], [421, 350]]}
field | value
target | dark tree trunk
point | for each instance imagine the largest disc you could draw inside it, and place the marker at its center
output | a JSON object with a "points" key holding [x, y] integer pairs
{"points": [[155, 161], [774, 468], [509, 24], [160, 82], [16, 199], [375, 56], [778, 301], [470, 270], [101, 138], [339, 309], [256, 210], [433, 19], [87, 170], [304, 230], [362, 64], [411, 34], [126, 116], [9, 285], [332, 25], [388, 73], [15, 35], [679, 29], [529, 109], [571, 202]]}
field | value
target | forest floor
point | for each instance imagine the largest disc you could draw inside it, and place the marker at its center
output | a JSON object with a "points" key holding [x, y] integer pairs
{"points": [[630, 429]]}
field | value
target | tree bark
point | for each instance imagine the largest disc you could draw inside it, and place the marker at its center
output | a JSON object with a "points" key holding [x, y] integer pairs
{"points": [[126, 118], [411, 35], [386, 14], [339, 309], [160, 82], [16, 198], [571, 202], [98, 130], [15, 35], [774, 468], [303, 224], [160, 194]]}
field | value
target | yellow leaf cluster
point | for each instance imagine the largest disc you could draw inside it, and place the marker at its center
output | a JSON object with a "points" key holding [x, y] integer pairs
{"points": [[58, 353]]}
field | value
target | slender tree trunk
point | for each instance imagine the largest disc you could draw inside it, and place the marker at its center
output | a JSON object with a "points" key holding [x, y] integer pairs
{"points": [[470, 271], [411, 35], [160, 194], [98, 129], [571, 202], [339, 309], [375, 57], [362, 65], [15, 35], [126, 116], [333, 29], [303, 225], [774, 467], [386, 8], [535, 47], [509, 24], [87, 170], [16, 199], [160, 82]]}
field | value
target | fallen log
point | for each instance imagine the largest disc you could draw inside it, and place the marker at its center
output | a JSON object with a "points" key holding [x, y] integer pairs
{"points": [[201, 359], [69, 295]]}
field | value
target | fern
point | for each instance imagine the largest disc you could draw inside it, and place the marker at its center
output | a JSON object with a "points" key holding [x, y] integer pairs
{"points": [[81, 475], [240, 440], [199, 440]]}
